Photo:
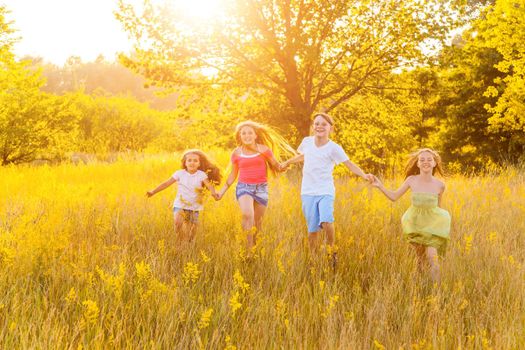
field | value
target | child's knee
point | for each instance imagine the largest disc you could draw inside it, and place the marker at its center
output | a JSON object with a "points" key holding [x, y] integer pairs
{"points": [[327, 225], [247, 216], [432, 256]]}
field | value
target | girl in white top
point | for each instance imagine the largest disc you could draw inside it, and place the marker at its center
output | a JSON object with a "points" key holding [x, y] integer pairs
{"points": [[320, 155], [197, 172]]}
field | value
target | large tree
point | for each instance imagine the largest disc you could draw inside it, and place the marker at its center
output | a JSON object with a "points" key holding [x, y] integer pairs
{"points": [[503, 29], [313, 54]]}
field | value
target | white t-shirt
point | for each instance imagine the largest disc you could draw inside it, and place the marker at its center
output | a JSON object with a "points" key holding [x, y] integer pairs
{"points": [[318, 166], [189, 192]]}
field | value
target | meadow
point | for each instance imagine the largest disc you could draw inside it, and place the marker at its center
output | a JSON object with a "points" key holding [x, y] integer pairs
{"points": [[87, 261]]}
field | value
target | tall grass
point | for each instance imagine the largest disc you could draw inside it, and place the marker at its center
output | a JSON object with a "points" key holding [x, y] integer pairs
{"points": [[86, 260]]}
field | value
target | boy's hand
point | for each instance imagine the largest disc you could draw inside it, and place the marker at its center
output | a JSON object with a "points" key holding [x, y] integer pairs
{"points": [[284, 166]]}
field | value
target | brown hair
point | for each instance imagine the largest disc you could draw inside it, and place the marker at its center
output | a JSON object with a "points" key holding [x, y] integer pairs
{"points": [[325, 116], [206, 165], [412, 168]]}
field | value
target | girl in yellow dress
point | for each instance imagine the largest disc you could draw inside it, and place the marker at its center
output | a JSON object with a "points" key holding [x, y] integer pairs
{"points": [[425, 224]]}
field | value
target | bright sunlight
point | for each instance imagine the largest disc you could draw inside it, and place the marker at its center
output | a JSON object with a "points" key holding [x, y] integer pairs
{"points": [[199, 10]]}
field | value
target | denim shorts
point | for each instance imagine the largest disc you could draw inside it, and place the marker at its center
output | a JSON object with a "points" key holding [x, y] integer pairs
{"points": [[188, 215], [259, 192], [317, 209]]}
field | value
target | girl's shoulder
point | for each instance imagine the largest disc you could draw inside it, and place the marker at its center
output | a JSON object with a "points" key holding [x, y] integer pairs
{"points": [[236, 151], [410, 179]]}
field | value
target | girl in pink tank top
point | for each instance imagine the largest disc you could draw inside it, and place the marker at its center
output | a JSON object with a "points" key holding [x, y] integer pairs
{"points": [[258, 149]]}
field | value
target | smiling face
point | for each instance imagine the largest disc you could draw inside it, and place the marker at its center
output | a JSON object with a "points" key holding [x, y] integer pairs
{"points": [[248, 135], [321, 127], [426, 162], [192, 162]]}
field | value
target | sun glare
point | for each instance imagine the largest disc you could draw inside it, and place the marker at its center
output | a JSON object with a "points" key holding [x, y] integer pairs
{"points": [[200, 10]]}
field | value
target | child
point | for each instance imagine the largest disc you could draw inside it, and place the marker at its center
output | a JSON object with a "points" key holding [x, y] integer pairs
{"points": [[258, 147], [320, 155], [197, 170], [425, 224]]}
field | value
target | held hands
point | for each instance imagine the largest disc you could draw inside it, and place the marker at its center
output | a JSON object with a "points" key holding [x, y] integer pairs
{"points": [[376, 182], [369, 178], [283, 166], [218, 195]]}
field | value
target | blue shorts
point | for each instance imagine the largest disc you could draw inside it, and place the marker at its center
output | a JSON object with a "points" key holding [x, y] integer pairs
{"points": [[188, 215], [259, 192], [316, 210]]}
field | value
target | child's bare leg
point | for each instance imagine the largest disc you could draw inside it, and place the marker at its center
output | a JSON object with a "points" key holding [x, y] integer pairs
{"points": [[178, 220], [328, 227], [191, 229], [247, 221], [432, 258], [421, 256], [313, 241], [259, 211]]}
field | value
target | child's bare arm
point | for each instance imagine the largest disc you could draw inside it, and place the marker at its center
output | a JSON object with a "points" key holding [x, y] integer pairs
{"points": [[229, 181], [295, 159], [161, 187], [441, 195], [357, 170], [210, 187], [392, 195]]}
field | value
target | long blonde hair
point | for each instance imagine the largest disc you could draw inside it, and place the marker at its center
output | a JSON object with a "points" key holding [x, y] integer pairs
{"points": [[268, 137], [412, 168]]}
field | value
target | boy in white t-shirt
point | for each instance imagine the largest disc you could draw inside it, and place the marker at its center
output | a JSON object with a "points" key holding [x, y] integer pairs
{"points": [[197, 172], [320, 155]]}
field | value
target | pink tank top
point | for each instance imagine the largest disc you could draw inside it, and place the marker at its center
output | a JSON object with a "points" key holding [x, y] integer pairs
{"points": [[253, 167]]}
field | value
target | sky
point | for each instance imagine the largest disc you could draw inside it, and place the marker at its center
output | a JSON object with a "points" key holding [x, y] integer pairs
{"points": [[58, 29]]}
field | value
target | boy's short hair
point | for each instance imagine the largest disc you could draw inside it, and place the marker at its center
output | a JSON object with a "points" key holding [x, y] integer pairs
{"points": [[325, 116]]}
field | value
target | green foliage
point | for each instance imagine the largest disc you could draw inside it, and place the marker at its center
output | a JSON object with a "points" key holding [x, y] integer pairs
{"points": [[115, 124], [480, 106], [374, 132], [32, 124], [503, 29], [311, 54]]}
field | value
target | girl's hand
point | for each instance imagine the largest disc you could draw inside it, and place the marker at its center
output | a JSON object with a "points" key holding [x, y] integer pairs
{"points": [[150, 193], [376, 182], [217, 196]]}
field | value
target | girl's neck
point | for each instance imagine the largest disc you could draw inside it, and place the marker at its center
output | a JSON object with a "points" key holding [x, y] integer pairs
{"points": [[191, 171], [426, 176], [250, 148]]}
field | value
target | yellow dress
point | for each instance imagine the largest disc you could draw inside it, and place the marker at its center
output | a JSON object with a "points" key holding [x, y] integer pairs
{"points": [[425, 223]]}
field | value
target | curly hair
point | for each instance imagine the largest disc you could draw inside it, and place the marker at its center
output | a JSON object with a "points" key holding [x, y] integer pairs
{"points": [[206, 165]]}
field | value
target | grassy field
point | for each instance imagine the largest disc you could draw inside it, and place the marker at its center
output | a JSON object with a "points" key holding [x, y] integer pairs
{"points": [[87, 261]]}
